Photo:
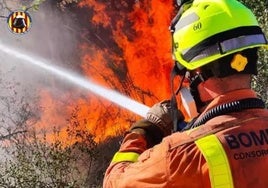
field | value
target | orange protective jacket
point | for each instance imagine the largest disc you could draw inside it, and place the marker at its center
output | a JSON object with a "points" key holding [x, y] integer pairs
{"points": [[227, 151]]}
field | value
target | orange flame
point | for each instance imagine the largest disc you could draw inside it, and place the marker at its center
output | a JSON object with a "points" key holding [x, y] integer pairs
{"points": [[134, 58]]}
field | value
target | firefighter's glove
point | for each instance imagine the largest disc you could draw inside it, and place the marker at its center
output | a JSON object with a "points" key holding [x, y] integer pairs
{"points": [[152, 133], [163, 115], [158, 122]]}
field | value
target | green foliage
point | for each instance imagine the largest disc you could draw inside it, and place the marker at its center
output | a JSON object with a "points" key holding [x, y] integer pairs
{"points": [[22, 5], [32, 160], [260, 82], [34, 5], [35, 162]]}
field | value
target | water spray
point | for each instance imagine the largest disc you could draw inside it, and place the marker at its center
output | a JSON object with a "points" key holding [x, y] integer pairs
{"points": [[111, 95]]}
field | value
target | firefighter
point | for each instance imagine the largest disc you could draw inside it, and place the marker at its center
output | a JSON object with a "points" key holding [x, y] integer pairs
{"points": [[215, 47]]}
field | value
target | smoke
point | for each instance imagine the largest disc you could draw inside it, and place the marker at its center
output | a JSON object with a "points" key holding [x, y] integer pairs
{"points": [[52, 36], [48, 37]]}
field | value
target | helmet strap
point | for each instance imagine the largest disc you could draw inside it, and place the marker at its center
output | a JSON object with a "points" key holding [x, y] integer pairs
{"points": [[194, 91], [175, 71]]}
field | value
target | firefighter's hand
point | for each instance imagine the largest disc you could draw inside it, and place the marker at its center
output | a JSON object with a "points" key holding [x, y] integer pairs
{"points": [[152, 133], [162, 115], [158, 122]]}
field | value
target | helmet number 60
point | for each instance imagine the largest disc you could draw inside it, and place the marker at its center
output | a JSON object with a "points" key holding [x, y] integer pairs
{"points": [[197, 26]]}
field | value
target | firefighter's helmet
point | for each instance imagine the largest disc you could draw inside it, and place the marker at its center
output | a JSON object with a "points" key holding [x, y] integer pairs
{"points": [[209, 30]]}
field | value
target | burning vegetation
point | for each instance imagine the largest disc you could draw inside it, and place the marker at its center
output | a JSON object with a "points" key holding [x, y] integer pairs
{"points": [[124, 46]]}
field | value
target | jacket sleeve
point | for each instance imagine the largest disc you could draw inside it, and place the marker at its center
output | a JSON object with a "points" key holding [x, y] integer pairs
{"points": [[134, 166]]}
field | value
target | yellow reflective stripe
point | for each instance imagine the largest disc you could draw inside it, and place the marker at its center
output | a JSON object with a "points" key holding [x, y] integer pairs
{"points": [[219, 170], [125, 156]]}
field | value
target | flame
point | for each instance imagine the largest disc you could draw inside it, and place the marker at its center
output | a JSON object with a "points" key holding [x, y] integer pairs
{"points": [[130, 52]]}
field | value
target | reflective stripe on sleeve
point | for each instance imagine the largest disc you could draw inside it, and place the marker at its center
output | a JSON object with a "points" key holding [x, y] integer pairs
{"points": [[219, 170], [125, 156]]}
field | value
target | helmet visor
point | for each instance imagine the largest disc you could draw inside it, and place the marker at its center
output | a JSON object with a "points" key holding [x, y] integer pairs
{"points": [[229, 45]]}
